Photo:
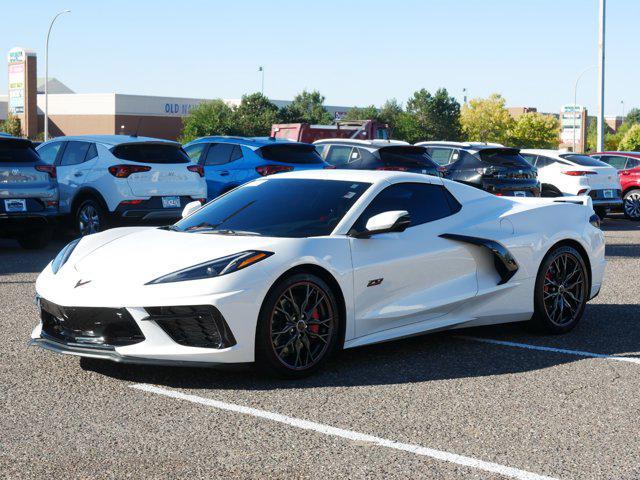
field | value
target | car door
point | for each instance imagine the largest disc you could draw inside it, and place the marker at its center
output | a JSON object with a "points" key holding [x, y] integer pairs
{"points": [[216, 168], [73, 165], [413, 276]]}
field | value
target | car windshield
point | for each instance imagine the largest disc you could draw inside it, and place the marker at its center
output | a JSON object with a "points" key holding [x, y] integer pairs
{"points": [[583, 160], [504, 157], [151, 153], [17, 151], [276, 207], [291, 153]]}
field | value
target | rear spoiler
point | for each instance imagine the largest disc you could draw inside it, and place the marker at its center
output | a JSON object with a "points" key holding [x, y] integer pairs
{"points": [[577, 199]]}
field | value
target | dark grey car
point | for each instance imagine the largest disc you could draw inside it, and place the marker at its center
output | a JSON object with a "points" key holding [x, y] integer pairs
{"points": [[28, 193]]}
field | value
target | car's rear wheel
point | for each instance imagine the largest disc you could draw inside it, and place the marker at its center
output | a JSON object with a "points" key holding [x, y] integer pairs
{"points": [[631, 204], [298, 326], [561, 290], [90, 217]]}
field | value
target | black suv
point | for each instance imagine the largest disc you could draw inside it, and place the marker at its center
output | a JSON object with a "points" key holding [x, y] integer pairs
{"points": [[492, 167], [376, 155]]}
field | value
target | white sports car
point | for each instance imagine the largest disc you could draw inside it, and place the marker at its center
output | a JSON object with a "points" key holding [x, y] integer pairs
{"points": [[286, 269]]}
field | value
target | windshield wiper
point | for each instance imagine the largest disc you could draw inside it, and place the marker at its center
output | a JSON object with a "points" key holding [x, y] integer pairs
{"points": [[230, 232], [171, 228]]}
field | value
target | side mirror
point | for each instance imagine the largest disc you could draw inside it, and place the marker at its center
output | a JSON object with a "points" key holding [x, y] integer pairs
{"points": [[190, 208], [393, 221]]}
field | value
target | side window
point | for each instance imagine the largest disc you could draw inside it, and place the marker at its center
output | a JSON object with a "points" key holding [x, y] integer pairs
{"points": [[424, 202], [236, 153], [355, 155], [367, 157], [442, 156], [632, 162], [49, 152], [219, 154], [92, 152], [195, 151], [75, 153], [322, 150], [544, 162], [531, 159], [339, 155], [615, 161]]}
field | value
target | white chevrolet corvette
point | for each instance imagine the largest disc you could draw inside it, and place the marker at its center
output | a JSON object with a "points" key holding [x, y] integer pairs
{"points": [[286, 269]]}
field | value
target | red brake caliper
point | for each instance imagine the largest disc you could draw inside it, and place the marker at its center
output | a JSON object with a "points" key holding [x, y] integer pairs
{"points": [[315, 328]]}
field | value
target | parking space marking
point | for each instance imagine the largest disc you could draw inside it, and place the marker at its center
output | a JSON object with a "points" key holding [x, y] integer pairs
{"points": [[579, 353], [348, 434]]}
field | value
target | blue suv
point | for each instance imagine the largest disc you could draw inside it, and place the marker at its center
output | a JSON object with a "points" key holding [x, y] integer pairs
{"points": [[231, 161]]}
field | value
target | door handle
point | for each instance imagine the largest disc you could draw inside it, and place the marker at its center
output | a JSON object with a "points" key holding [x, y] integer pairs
{"points": [[77, 174], [224, 173]]}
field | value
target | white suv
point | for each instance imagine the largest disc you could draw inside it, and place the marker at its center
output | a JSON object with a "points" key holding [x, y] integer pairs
{"points": [[118, 177], [565, 173]]}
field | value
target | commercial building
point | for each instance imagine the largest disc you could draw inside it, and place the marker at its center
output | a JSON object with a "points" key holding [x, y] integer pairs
{"points": [[73, 113]]}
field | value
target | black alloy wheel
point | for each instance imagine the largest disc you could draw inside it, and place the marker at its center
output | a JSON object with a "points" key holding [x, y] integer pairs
{"points": [[631, 204], [298, 326], [561, 290], [90, 218]]}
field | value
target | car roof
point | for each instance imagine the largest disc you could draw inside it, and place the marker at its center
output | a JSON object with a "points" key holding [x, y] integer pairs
{"points": [[548, 152], [376, 143], [628, 154], [250, 142], [469, 145], [113, 140], [7, 137], [368, 176]]}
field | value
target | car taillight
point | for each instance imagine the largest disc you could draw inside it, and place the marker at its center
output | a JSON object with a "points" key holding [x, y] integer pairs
{"points": [[393, 169], [579, 173], [330, 167], [624, 172], [583, 191], [50, 169], [265, 170], [199, 169], [130, 202], [123, 171]]}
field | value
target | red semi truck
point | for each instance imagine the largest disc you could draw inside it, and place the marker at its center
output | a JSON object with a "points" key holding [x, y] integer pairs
{"points": [[357, 129]]}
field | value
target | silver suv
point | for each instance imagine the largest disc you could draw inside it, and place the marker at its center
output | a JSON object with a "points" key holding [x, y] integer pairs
{"points": [[28, 193]]}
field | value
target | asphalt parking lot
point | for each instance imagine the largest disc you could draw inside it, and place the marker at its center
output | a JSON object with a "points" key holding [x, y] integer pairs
{"points": [[481, 403]]}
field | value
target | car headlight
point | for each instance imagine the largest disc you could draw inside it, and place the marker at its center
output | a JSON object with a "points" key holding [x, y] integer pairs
{"points": [[64, 255], [215, 268]]}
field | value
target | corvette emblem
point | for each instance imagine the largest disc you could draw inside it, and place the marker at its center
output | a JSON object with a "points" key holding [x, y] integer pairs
{"points": [[375, 282], [81, 283]]}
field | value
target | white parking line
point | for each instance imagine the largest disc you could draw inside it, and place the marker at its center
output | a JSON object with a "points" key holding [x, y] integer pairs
{"points": [[579, 353], [348, 434]]}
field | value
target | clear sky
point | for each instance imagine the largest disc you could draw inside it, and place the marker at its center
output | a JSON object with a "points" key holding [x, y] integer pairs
{"points": [[354, 52]]}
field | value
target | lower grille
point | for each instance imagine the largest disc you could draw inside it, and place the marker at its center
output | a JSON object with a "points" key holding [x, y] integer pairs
{"points": [[89, 325], [193, 325]]}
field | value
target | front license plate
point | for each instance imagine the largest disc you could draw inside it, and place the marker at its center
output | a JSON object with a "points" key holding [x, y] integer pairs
{"points": [[170, 202], [519, 194], [608, 194], [15, 205]]}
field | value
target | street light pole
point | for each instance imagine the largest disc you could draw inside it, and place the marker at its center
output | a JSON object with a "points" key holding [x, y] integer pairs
{"points": [[46, 76], [601, 76], [575, 100], [261, 70]]}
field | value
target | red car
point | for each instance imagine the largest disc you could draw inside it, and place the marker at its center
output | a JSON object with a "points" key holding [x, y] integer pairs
{"points": [[628, 166]]}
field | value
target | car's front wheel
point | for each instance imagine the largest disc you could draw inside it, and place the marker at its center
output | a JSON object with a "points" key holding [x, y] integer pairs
{"points": [[298, 326], [561, 290], [632, 204]]}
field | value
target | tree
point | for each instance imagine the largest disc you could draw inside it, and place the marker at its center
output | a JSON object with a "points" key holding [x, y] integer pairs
{"points": [[486, 120], [534, 130], [209, 118], [633, 116], [362, 113], [255, 115], [389, 112], [12, 126], [430, 117], [306, 107], [631, 139]]}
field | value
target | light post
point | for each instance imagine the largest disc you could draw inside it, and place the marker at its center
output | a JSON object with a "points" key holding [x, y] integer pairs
{"points": [[46, 77], [575, 100], [261, 70], [622, 103], [603, 7]]}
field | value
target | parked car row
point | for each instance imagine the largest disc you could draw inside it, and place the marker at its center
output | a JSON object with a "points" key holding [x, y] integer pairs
{"points": [[93, 181]]}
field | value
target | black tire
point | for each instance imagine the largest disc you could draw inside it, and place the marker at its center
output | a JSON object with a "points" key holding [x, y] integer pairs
{"points": [[601, 212], [562, 282], [312, 334], [631, 205], [35, 239], [89, 217]]}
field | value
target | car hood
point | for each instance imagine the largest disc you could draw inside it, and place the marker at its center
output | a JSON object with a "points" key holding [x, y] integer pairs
{"points": [[144, 255]]}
